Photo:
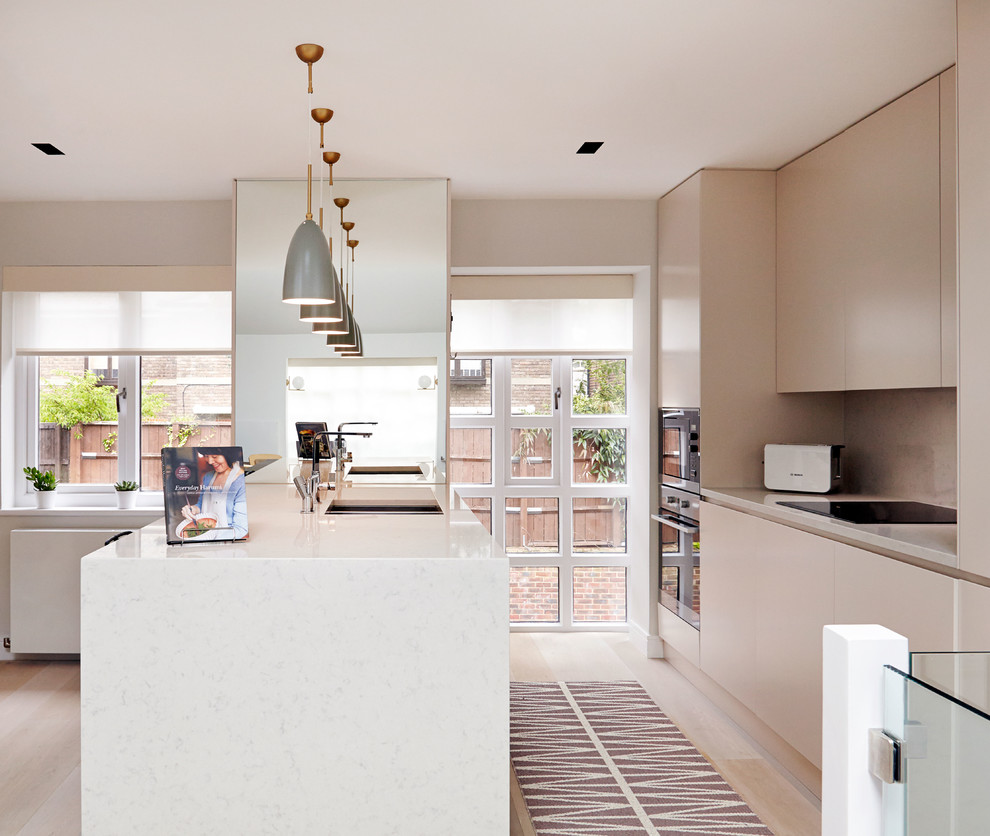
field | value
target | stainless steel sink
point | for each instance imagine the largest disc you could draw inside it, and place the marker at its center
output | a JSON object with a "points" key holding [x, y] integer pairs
{"points": [[373, 506], [385, 469]]}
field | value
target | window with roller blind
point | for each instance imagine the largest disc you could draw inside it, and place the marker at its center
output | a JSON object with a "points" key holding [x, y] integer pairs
{"points": [[103, 379], [540, 432]]}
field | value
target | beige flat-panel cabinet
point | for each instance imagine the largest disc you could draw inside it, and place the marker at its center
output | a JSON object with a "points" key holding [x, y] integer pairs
{"points": [[947, 137], [811, 263], [767, 593], [729, 597], [795, 577], [872, 589], [679, 216], [859, 254]]}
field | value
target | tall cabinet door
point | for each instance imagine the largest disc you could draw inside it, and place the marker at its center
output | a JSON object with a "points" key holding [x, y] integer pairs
{"points": [[950, 315], [859, 255], [811, 226], [893, 280]]}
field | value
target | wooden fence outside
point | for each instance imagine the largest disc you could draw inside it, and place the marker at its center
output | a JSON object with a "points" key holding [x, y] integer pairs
{"points": [[86, 460], [533, 524]]}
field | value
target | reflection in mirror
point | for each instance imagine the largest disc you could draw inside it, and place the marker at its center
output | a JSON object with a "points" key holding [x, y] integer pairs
{"points": [[385, 390]]}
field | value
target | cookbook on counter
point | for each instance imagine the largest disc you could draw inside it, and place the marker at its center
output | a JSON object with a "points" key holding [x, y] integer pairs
{"points": [[205, 494]]}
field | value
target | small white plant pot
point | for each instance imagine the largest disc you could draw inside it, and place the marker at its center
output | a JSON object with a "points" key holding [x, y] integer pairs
{"points": [[46, 499], [126, 499]]}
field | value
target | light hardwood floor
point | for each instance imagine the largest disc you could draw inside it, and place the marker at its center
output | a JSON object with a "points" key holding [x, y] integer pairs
{"points": [[39, 748], [39, 734]]}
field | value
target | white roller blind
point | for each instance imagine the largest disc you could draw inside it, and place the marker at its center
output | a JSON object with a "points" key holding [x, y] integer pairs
{"points": [[611, 286], [557, 325], [121, 322]]}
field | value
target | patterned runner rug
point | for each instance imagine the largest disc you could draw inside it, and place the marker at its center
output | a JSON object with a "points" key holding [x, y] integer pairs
{"points": [[601, 758]]}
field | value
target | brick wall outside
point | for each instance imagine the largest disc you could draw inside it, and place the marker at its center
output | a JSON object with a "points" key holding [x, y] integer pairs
{"points": [[533, 594], [532, 390], [185, 380], [472, 397], [599, 593]]}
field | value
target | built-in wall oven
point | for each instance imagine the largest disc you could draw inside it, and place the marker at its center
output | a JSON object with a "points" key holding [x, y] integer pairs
{"points": [[679, 514]]}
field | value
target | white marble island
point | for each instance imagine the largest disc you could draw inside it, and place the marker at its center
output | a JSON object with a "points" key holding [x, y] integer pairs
{"points": [[333, 675]]}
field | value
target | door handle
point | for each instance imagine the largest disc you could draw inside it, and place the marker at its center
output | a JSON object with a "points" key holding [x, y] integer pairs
{"points": [[121, 394], [556, 399], [675, 523]]}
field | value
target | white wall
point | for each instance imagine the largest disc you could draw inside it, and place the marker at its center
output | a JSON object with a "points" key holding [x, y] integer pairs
{"points": [[385, 391]]}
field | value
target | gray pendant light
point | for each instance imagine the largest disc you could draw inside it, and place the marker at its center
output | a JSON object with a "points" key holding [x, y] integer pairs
{"points": [[358, 349], [330, 312], [308, 278], [344, 341], [336, 328], [334, 310]]}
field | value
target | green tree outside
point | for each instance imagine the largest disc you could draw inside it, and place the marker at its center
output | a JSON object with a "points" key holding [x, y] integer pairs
{"points": [[79, 398]]}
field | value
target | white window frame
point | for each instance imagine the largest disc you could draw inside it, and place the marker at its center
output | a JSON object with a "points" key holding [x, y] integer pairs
{"points": [[561, 485], [27, 398], [19, 376]]}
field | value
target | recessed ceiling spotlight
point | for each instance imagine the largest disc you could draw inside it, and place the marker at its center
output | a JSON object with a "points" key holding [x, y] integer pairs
{"points": [[48, 148], [589, 147]]}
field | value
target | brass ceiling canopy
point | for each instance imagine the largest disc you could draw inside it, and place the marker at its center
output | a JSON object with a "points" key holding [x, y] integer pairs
{"points": [[331, 157], [321, 115], [309, 54], [305, 282]]}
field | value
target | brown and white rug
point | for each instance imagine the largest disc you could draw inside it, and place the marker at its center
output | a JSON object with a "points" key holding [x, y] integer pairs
{"points": [[601, 758]]}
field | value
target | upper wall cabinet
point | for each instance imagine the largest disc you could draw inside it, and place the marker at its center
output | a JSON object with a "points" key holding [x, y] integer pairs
{"points": [[861, 229]]}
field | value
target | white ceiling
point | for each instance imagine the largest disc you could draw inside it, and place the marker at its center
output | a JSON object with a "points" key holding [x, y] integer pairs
{"points": [[174, 100]]}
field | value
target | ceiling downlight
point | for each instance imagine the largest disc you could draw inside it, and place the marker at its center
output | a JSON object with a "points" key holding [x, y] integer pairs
{"points": [[49, 149]]}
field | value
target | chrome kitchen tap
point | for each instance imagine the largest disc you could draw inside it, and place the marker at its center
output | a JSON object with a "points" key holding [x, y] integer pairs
{"points": [[340, 454], [309, 490]]}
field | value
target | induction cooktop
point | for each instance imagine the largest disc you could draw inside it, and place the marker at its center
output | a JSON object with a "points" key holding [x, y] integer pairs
{"points": [[879, 512]]}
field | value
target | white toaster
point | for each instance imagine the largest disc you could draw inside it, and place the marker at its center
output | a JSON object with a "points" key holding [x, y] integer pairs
{"points": [[810, 468]]}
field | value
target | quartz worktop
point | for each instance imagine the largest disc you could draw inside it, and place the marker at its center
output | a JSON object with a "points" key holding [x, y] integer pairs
{"points": [[935, 544], [278, 531], [331, 674]]}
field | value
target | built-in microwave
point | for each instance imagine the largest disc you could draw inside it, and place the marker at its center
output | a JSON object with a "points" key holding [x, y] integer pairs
{"points": [[680, 448]]}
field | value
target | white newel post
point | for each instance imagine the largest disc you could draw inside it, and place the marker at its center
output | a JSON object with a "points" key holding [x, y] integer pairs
{"points": [[852, 703]]}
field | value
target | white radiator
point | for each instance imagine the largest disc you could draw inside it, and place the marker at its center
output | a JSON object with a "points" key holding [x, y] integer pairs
{"points": [[44, 586]]}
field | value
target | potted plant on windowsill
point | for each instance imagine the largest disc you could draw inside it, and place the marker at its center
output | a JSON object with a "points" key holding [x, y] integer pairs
{"points": [[44, 486], [126, 493]]}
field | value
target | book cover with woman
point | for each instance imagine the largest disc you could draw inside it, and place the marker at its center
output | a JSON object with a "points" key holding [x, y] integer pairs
{"points": [[205, 495]]}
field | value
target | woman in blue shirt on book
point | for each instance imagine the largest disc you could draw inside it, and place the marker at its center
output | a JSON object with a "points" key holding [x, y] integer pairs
{"points": [[223, 493]]}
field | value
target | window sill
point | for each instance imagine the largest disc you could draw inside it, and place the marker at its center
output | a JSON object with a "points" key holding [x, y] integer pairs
{"points": [[149, 512]]}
